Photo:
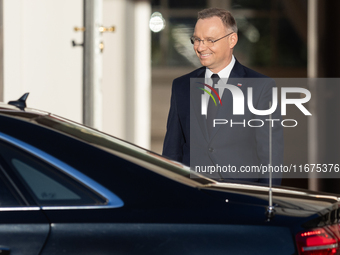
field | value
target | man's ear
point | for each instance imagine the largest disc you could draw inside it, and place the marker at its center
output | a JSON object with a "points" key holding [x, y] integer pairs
{"points": [[233, 39]]}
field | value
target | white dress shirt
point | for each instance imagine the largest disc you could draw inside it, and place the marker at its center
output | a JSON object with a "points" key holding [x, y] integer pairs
{"points": [[223, 74]]}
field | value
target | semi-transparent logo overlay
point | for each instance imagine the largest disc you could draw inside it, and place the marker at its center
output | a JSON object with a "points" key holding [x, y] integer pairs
{"points": [[288, 126]]}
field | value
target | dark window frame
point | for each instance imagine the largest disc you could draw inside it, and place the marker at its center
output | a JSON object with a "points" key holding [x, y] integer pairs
{"points": [[7, 184]]}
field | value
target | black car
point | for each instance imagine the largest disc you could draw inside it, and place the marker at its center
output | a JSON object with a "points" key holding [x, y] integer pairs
{"points": [[69, 189]]}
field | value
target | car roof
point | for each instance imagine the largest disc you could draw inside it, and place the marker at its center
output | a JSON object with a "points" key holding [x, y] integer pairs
{"points": [[28, 113]]}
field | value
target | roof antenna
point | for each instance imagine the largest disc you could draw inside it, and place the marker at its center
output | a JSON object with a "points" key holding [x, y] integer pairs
{"points": [[21, 102], [270, 209]]}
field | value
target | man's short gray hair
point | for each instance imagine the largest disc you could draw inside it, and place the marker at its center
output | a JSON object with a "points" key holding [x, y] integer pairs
{"points": [[226, 17]]}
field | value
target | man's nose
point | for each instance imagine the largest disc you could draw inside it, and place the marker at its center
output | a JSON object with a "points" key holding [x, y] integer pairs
{"points": [[201, 46]]}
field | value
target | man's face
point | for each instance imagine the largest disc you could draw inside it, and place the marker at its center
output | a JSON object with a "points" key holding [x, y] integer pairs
{"points": [[218, 56]]}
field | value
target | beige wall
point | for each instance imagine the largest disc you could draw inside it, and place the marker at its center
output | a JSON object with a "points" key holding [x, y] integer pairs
{"points": [[39, 58]]}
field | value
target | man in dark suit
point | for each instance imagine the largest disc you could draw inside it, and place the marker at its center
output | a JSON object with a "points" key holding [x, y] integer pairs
{"points": [[241, 142]]}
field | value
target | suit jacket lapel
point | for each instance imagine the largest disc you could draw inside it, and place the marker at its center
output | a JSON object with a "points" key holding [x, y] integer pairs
{"points": [[237, 71], [195, 98]]}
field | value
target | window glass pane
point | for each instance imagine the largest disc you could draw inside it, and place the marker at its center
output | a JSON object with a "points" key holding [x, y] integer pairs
{"points": [[292, 50], [254, 42], [268, 36], [44, 187], [256, 45], [181, 51]]}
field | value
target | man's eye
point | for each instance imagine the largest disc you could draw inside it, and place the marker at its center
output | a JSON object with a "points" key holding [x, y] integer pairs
{"points": [[210, 41]]}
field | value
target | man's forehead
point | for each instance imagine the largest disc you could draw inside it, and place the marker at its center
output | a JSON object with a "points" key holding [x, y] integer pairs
{"points": [[209, 26]]}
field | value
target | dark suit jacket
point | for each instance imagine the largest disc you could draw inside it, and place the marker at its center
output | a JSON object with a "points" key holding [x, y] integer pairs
{"points": [[235, 146]]}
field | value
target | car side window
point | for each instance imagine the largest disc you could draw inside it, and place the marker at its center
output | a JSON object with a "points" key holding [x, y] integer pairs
{"points": [[45, 184]]}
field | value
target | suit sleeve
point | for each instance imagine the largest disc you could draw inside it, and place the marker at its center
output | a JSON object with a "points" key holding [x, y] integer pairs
{"points": [[174, 138], [262, 135]]}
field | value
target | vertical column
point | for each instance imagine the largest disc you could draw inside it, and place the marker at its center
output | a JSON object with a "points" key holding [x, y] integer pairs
{"points": [[142, 73], [129, 76], [312, 66], [138, 73], [312, 69], [98, 65], [92, 64], [323, 62], [328, 92], [127, 71], [114, 81]]}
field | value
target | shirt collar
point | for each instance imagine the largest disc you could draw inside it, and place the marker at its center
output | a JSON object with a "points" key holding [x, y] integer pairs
{"points": [[225, 72]]}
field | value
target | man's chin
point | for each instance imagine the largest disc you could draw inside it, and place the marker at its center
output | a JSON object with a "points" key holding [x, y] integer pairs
{"points": [[205, 63]]}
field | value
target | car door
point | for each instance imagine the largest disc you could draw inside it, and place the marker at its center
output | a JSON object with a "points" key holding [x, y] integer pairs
{"points": [[32, 186], [29, 184], [23, 227]]}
